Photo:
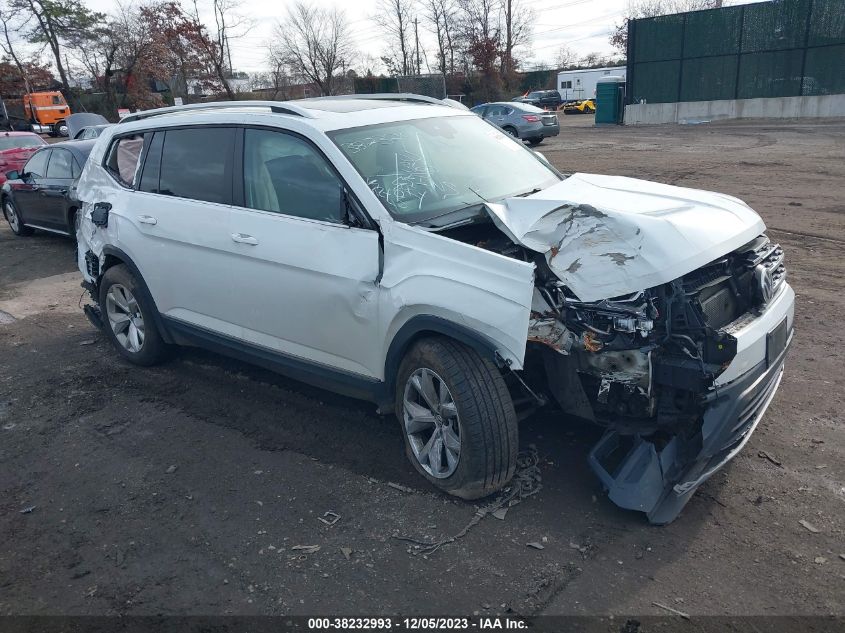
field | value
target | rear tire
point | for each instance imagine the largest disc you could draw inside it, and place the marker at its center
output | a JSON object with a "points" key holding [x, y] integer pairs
{"points": [[128, 318], [457, 418], [534, 142], [10, 212], [511, 131]]}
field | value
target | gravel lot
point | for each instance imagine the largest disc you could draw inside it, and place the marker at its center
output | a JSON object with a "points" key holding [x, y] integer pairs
{"points": [[183, 489]]}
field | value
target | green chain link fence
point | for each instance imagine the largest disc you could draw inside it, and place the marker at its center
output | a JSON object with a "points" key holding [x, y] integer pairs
{"points": [[782, 48]]}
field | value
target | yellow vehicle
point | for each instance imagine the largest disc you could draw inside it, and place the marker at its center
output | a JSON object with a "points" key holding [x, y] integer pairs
{"points": [[585, 106], [46, 112]]}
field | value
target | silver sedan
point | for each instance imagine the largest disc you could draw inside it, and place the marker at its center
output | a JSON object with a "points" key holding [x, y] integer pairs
{"points": [[522, 121]]}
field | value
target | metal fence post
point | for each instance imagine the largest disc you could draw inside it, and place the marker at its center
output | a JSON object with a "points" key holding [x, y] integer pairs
{"points": [[681, 58], [810, 8], [629, 72], [739, 50]]}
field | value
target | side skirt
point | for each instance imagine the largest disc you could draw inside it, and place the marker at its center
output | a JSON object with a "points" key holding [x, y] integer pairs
{"points": [[344, 383]]}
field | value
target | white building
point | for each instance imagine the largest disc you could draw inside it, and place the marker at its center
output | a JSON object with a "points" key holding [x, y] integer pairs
{"points": [[574, 85]]}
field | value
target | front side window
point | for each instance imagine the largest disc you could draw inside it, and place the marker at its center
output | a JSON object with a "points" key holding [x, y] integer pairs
{"points": [[37, 165], [60, 165], [285, 174], [196, 163], [426, 168]]}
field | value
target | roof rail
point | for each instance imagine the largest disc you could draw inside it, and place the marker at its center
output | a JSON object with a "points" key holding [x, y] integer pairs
{"points": [[276, 107], [390, 96]]}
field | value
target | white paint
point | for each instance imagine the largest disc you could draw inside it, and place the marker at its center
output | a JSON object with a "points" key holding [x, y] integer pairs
{"points": [[606, 236]]}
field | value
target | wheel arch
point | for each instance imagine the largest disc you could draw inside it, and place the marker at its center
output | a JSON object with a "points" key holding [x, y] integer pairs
{"points": [[423, 326], [112, 256]]}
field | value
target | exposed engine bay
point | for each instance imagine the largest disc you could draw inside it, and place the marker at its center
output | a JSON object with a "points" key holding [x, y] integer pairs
{"points": [[642, 365]]}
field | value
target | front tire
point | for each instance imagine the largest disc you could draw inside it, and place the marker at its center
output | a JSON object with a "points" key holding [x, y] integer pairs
{"points": [[128, 319], [457, 418], [10, 212]]}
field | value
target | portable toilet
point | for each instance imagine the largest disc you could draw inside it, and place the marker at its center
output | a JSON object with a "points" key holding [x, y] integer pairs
{"points": [[610, 96]]}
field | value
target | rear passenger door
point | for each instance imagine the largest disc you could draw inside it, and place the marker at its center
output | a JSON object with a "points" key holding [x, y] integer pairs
{"points": [[175, 219], [305, 279], [61, 171]]}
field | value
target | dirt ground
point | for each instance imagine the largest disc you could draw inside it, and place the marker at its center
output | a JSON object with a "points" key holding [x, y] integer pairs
{"points": [[182, 489]]}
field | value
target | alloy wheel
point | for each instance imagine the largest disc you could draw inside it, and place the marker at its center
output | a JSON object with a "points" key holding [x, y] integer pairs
{"points": [[11, 216], [125, 318], [432, 423]]}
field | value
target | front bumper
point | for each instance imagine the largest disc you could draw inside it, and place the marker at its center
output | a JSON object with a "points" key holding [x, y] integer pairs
{"points": [[660, 482]]}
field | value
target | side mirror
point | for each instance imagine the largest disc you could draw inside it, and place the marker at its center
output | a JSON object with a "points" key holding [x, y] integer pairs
{"points": [[13, 175]]}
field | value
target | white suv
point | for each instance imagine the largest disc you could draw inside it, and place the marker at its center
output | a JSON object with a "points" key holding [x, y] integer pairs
{"points": [[400, 250]]}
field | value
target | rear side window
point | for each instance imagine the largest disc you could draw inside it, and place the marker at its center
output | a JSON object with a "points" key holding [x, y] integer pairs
{"points": [[197, 163], [152, 165], [37, 165], [61, 165]]}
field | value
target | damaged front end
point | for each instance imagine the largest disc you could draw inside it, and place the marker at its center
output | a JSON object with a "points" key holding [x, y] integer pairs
{"points": [[678, 372], [647, 366]]}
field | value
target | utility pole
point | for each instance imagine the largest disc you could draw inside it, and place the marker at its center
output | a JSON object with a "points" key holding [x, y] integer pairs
{"points": [[417, 43]]}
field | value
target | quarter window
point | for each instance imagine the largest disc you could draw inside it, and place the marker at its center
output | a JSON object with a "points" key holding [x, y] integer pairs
{"points": [[124, 158], [37, 165], [196, 163], [61, 165], [285, 174]]}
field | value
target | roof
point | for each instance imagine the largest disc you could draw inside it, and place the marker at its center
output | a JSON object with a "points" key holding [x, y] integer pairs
{"points": [[324, 113], [593, 70], [80, 149]]}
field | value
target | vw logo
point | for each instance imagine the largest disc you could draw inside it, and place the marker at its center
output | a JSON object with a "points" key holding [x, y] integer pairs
{"points": [[765, 282]]}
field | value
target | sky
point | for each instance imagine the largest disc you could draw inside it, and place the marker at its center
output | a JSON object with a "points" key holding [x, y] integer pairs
{"points": [[583, 25]]}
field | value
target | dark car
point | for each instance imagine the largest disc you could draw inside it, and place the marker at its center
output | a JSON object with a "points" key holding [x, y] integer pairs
{"points": [[546, 99], [43, 194]]}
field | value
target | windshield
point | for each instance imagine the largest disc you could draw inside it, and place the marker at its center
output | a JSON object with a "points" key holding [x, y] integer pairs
{"points": [[14, 142], [425, 168]]}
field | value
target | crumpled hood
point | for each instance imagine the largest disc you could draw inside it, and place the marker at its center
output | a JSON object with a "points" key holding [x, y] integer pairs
{"points": [[606, 236]]}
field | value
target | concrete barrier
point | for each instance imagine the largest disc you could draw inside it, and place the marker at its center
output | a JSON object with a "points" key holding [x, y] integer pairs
{"points": [[773, 108]]}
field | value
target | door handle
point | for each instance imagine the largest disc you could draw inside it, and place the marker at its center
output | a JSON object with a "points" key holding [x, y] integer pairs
{"points": [[147, 219], [243, 238]]}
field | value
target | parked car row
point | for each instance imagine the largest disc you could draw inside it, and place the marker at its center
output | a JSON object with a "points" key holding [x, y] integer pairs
{"points": [[399, 250]]}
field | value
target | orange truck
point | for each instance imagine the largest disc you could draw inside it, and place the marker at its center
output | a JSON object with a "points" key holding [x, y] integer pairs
{"points": [[46, 112]]}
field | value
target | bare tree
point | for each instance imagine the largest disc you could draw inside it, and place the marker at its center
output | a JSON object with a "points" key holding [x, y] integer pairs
{"points": [[566, 57], [314, 43], [651, 8], [214, 43], [517, 19], [441, 16], [8, 47], [397, 19]]}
